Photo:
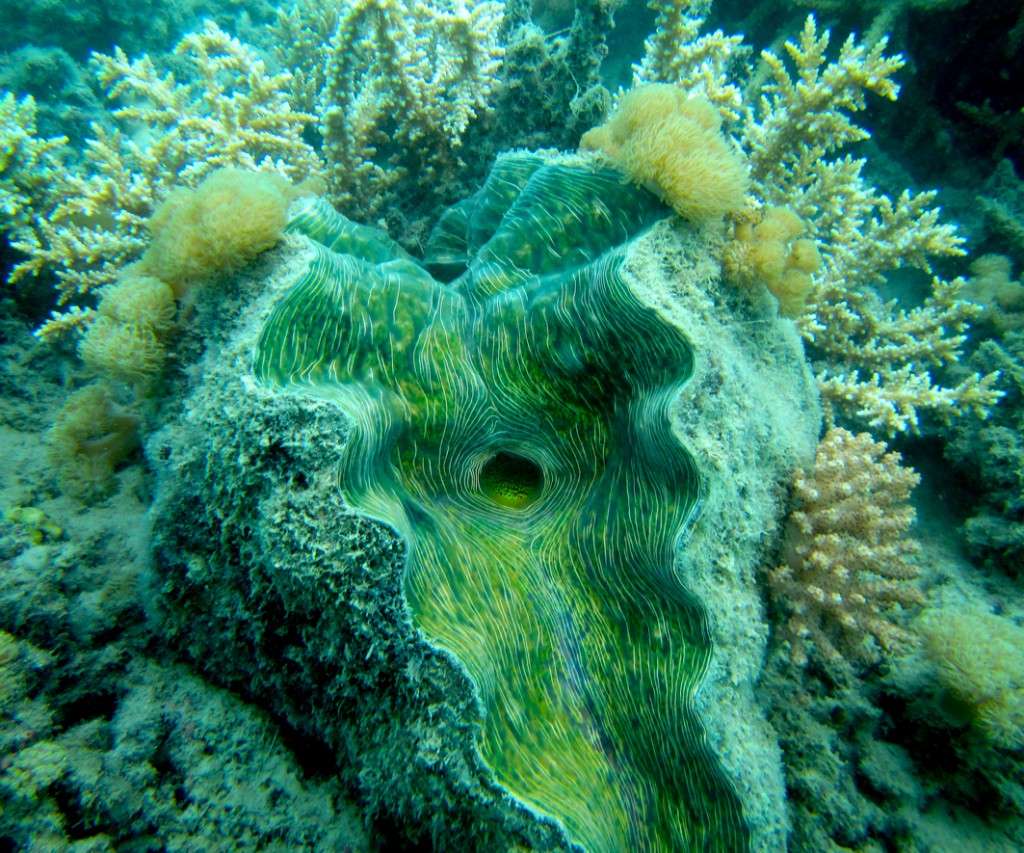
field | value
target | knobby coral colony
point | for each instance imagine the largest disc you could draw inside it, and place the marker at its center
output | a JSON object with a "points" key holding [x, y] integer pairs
{"points": [[513, 426]]}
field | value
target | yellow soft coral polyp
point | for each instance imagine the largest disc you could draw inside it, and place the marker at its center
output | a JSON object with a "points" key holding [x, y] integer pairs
{"points": [[222, 224], [673, 146], [772, 252]]}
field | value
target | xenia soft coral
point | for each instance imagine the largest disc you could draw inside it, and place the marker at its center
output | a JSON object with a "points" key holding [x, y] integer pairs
{"points": [[222, 224], [673, 145], [981, 661], [772, 252], [91, 436], [124, 342]]}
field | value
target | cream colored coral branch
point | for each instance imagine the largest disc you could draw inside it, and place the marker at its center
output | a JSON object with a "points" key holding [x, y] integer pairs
{"points": [[404, 78], [879, 361], [301, 34], [676, 52], [87, 221], [64, 323], [850, 563], [807, 116], [889, 402], [234, 113], [25, 161], [90, 220]]}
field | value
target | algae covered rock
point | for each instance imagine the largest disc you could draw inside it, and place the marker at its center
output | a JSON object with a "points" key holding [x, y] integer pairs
{"points": [[453, 531]]}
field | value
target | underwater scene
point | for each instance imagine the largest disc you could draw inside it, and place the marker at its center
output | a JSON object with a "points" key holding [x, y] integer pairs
{"points": [[517, 425]]}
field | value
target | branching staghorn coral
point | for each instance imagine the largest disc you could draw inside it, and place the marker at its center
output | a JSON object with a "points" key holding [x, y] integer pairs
{"points": [[873, 359], [22, 158], [850, 562], [677, 53], [302, 33], [89, 221], [403, 80], [800, 121]]}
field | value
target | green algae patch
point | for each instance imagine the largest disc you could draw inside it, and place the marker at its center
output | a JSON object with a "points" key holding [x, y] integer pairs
{"points": [[513, 426]]}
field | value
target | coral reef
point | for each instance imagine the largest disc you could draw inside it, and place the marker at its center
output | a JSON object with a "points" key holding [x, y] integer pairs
{"points": [[361, 530], [887, 758], [123, 340], [65, 105], [161, 757], [874, 359], [197, 234], [39, 526], [1000, 296], [90, 220], [529, 84], [850, 784], [553, 85], [850, 562], [178, 764], [1002, 202]]}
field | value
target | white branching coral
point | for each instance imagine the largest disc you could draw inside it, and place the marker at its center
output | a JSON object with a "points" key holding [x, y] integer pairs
{"points": [[798, 122], [67, 323], [874, 359], [233, 113], [88, 221], [676, 52], [302, 33], [23, 159], [850, 563], [404, 79]]}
